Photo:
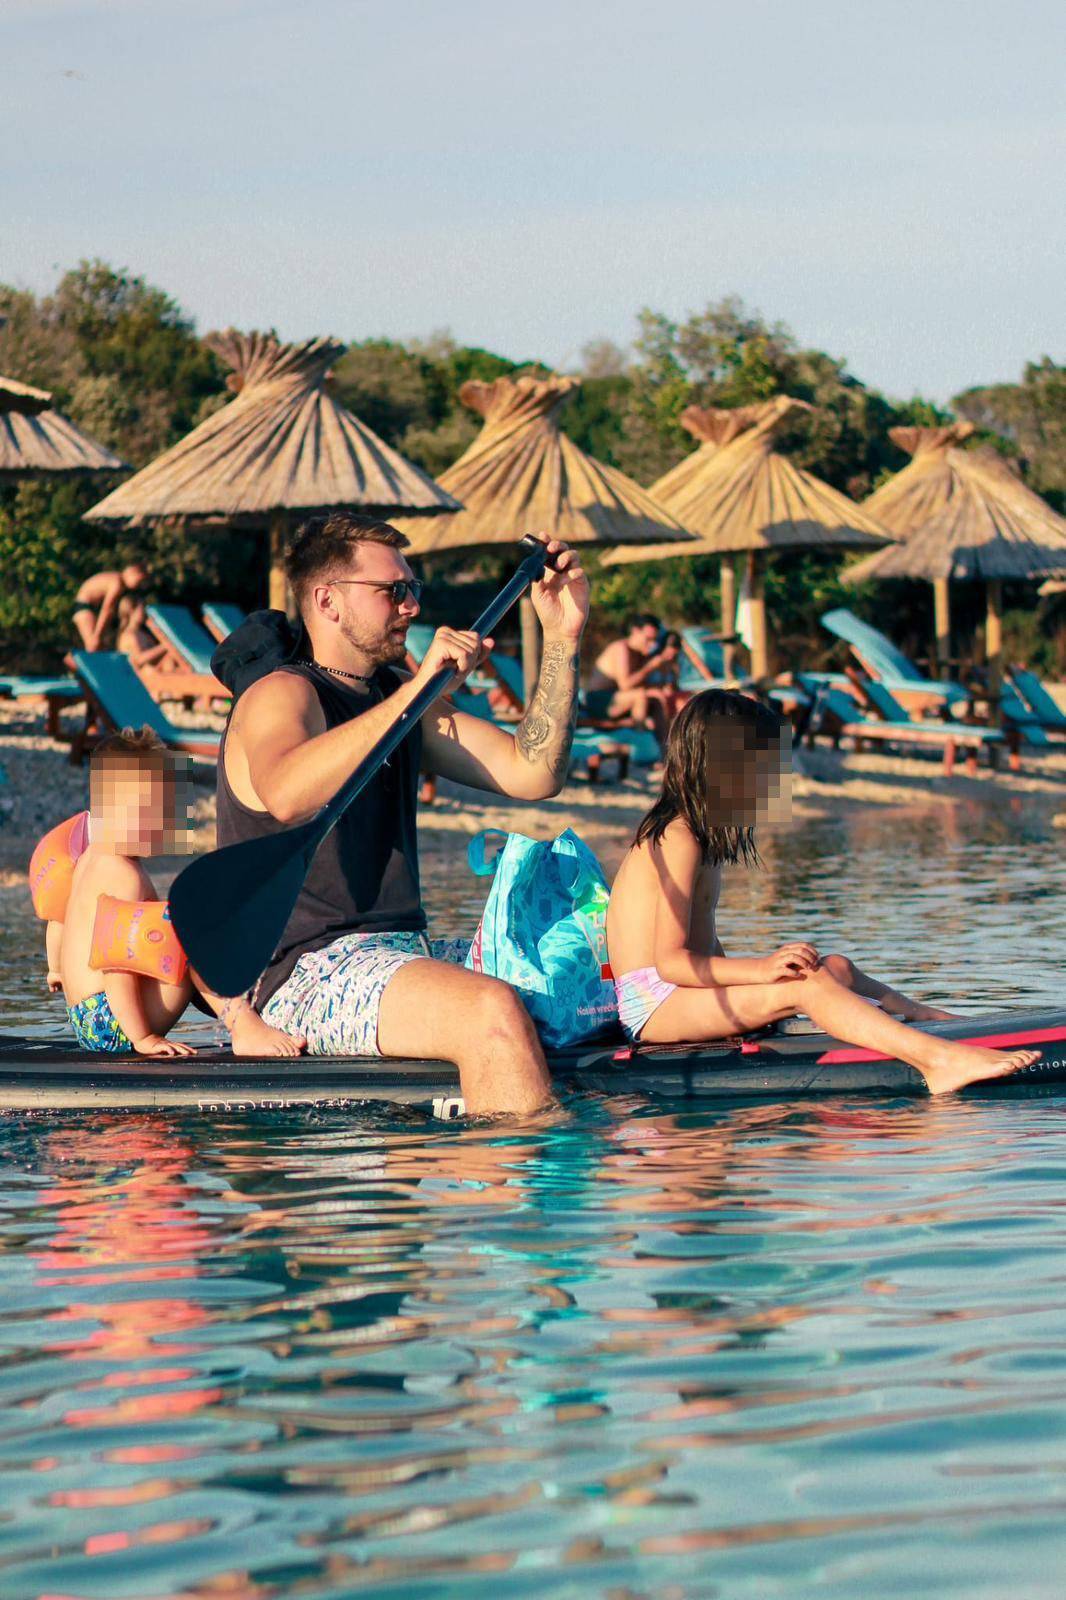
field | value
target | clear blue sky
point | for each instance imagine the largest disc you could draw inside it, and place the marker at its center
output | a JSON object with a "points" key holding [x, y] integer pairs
{"points": [[887, 178]]}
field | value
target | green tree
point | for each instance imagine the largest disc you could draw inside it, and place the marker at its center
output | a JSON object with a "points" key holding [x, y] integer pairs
{"points": [[1031, 417]]}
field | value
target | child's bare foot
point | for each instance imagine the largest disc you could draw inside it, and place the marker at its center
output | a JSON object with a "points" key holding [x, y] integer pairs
{"points": [[251, 1036], [950, 1066]]}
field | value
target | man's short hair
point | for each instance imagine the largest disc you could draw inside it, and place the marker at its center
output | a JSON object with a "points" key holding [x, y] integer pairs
{"points": [[323, 545], [642, 619]]}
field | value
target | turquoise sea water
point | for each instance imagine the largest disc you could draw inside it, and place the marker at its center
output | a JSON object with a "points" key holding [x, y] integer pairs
{"points": [[643, 1350]]}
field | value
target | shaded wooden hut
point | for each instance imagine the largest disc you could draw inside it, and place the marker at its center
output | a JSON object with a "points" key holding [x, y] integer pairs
{"points": [[973, 521], [37, 441], [753, 501], [281, 449], [523, 475]]}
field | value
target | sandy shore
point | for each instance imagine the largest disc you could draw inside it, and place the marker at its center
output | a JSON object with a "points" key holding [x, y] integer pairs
{"points": [[38, 787]]}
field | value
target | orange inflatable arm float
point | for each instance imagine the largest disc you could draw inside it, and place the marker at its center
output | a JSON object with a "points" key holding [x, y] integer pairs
{"points": [[52, 866], [136, 936]]}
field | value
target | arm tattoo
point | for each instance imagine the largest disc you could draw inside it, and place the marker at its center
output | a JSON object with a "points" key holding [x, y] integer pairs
{"points": [[546, 732]]}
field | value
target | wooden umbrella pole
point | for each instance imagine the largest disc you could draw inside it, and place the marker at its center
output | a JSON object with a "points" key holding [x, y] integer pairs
{"points": [[278, 585], [942, 625], [760, 657], [994, 642], [728, 608], [530, 646]]}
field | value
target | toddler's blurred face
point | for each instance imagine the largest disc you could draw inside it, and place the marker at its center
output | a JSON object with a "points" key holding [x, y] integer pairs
{"points": [[141, 809], [748, 782]]}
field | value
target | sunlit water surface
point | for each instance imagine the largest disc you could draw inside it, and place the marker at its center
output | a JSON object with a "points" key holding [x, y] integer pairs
{"points": [[642, 1351]]}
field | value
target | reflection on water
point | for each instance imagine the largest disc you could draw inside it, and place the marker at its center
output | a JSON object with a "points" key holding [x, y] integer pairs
{"points": [[744, 1351], [736, 1351]]}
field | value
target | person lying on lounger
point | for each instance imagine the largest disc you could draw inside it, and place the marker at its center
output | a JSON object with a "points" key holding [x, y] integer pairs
{"points": [[134, 638], [674, 981]]}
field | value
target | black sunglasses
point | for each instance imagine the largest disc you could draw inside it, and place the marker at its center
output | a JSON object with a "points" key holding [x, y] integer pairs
{"points": [[398, 589]]}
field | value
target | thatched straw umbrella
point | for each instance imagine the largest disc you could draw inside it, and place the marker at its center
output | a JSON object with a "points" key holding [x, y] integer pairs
{"points": [[36, 441], [681, 489], [282, 447], [523, 475], [753, 501], [932, 481], [991, 527]]}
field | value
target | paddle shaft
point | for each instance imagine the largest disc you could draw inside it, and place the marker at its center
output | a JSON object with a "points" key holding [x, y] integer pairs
{"points": [[531, 569]]}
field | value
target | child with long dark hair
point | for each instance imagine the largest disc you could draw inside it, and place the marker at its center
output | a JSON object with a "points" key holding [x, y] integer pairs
{"points": [[673, 979]]}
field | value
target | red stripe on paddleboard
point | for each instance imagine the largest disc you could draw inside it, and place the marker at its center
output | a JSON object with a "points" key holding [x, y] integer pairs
{"points": [[989, 1041]]}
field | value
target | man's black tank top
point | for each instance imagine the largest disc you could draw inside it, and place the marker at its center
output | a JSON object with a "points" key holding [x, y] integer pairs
{"points": [[364, 877]]}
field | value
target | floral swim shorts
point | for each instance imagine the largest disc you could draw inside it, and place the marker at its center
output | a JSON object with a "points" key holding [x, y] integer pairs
{"points": [[96, 1028], [333, 995]]}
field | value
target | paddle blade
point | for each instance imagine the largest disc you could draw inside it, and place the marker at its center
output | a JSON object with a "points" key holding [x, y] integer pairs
{"points": [[230, 907]]}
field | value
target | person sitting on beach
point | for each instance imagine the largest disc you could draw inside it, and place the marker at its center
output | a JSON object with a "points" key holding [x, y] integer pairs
{"points": [[354, 971], [621, 684], [133, 786], [134, 639], [96, 602], [673, 980]]}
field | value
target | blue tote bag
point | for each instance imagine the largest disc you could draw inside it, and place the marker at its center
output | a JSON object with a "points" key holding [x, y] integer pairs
{"points": [[544, 931]]}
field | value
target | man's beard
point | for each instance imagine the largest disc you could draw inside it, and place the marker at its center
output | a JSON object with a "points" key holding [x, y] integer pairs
{"points": [[381, 647]]}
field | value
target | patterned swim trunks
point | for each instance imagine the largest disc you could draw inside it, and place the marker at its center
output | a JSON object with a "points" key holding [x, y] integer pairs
{"points": [[334, 995], [95, 1027]]}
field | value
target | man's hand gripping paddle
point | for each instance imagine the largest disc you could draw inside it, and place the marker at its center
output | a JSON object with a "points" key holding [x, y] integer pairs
{"points": [[230, 907]]}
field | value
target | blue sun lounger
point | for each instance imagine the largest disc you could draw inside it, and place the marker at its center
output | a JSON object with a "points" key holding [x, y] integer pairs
{"points": [[838, 713], [884, 662], [221, 618], [178, 629], [118, 699], [702, 644], [57, 694], [1047, 712]]}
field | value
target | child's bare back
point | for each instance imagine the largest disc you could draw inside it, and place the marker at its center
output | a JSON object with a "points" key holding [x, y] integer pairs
{"points": [[642, 882]]}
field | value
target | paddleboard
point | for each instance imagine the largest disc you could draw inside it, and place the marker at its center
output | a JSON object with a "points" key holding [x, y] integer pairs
{"points": [[52, 1074]]}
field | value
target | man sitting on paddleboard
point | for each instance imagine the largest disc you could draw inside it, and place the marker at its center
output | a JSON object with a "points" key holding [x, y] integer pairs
{"points": [[354, 973]]}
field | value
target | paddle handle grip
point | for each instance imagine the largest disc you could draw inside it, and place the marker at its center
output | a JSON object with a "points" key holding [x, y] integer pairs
{"points": [[528, 573]]}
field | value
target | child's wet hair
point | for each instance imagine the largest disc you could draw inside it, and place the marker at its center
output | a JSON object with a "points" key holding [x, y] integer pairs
{"points": [[708, 753]]}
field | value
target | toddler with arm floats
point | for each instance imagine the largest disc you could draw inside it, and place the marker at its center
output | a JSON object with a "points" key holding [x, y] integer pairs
{"points": [[673, 979], [124, 975]]}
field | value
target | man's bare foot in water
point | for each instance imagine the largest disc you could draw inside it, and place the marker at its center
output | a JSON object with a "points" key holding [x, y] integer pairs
{"points": [[251, 1036], [947, 1066]]}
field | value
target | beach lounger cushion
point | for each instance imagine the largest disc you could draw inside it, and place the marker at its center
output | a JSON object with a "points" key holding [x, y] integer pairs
{"points": [[19, 687], [1047, 711], [222, 618], [124, 702], [884, 660], [177, 627], [845, 709]]}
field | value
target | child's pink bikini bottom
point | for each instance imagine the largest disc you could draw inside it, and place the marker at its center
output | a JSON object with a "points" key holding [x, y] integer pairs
{"points": [[640, 993]]}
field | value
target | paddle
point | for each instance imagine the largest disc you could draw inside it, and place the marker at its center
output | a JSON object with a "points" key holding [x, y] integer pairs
{"points": [[230, 907]]}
